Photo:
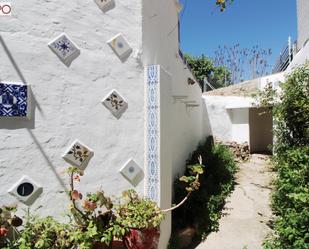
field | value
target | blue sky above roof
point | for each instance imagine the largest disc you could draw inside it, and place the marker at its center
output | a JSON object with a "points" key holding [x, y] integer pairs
{"points": [[266, 23]]}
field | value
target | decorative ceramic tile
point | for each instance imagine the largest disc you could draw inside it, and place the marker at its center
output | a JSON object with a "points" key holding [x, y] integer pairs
{"points": [[152, 124], [120, 46], [13, 100], [132, 172], [115, 103], [78, 155], [26, 190], [105, 5], [64, 48]]}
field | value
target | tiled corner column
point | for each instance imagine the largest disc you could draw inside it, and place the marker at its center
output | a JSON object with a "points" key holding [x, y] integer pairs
{"points": [[158, 150], [152, 133]]}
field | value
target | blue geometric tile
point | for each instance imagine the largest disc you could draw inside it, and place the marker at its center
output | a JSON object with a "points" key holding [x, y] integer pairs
{"points": [[13, 100], [64, 48], [152, 124]]}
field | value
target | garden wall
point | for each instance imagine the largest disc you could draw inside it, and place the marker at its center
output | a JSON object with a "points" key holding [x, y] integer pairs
{"points": [[67, 99]]}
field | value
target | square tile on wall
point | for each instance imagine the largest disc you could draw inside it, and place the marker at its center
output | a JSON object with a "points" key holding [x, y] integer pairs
{"points": [[78, 155], [26, 190], [105, 5], [64, 48], [115, 103], [120, 46], [132, 172], [14, 100]]}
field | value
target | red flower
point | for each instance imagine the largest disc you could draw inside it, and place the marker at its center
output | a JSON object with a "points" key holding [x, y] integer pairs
{"points": [[89, 205], [3, 232], [74, 195]]}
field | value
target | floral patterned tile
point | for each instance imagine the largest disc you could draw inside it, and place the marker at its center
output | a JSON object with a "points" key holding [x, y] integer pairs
{"points": [[26, 190], [65, 49], [120, 46], [14, 100], [78, 155], [105, 5], [132, 172], [115, 103]]}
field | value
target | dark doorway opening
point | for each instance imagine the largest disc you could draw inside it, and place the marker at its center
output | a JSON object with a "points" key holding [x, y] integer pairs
{"points": [[261, 130]]}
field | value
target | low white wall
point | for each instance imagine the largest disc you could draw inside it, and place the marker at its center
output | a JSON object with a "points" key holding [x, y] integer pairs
{"points": [[228, 117]]}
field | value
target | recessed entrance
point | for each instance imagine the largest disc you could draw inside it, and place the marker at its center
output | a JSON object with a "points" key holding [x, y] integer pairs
{"points": [[261, 130]]}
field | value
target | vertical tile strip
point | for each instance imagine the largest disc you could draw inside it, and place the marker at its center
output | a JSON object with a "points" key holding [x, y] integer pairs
{"points": [[152, 126]]}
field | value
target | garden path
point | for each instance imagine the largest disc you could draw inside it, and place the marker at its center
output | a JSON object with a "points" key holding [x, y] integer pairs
{"points": [[247, 211]]}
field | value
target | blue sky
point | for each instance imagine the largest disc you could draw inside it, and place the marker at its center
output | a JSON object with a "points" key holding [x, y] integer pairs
{"points": [[266, 23]]}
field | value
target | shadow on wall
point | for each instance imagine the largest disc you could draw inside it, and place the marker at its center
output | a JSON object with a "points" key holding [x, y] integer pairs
{"points": [[46, 158], [12, 123], [19, 123]]}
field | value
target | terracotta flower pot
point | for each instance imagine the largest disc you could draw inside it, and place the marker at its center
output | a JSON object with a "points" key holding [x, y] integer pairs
{"points": [[117, 244], [142, 239]]}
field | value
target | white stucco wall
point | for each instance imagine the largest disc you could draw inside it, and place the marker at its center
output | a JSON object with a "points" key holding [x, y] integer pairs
{"points": [[303, 22], [300, 58], [228, 117], [68, 99], [160, 46], [184, 129]]}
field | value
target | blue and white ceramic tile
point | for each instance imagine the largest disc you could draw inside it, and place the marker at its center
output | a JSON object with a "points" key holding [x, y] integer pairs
{"points": [[14, 100], [115, 103], [132, 172], [153, 164], [105, 5], [26, 190], [78, 155], [120, 46], [64, 48]]}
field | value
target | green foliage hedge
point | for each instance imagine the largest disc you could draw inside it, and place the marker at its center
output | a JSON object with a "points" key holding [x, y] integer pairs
{"points": [[204, 209], [290, 200]]}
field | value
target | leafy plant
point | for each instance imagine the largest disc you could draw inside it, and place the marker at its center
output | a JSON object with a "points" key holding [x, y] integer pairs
{"points": [[202, 66], [290, 199], [222, 4], [95, 220], [204, 208]]}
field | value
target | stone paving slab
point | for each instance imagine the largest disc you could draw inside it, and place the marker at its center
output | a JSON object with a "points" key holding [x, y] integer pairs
{"points": [[247, 210]]}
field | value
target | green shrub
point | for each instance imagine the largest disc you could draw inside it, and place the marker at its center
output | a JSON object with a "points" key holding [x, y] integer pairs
{"points": [[204, 208], [290, 200]]}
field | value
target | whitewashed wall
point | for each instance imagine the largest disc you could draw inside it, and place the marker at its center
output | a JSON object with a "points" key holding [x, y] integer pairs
{"points": [[184, 129], [68, 99], [160, 46], [228, 117], [303, 22]]}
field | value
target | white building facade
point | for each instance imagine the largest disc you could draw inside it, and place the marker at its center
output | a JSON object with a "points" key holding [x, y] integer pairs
{"points": [[111, 78], [303, 22]]}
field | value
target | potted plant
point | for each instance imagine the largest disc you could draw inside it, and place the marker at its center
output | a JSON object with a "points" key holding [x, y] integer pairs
{"points": [[95, 221], [143, 217]]}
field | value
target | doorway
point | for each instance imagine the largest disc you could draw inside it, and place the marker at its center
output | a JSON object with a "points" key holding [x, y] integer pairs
{"points": [[261, 130]]}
